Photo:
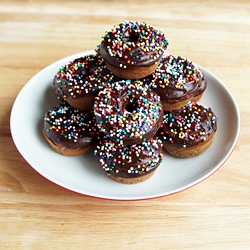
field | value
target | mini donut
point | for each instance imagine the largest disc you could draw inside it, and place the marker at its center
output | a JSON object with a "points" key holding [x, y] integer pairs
{"points": [[128, 111], [177, 81], [188, 131], [129, 164], [132, 49], [70, 131], [79, 81]]}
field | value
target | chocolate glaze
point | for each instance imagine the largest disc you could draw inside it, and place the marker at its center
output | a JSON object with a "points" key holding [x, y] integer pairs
{"points": [[129, 161], [177, 79], [128, 111], [187, 126], [132, 44], [70, 127], [83, 76]]}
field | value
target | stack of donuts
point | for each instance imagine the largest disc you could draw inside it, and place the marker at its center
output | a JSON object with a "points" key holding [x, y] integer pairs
{"points": [[128, 102]]}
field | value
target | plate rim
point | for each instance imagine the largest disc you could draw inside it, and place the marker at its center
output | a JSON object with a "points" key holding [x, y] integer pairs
{"points": [[71, 57]]}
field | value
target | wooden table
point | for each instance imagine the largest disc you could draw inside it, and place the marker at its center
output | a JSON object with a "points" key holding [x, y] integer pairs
{"points": [[37, 214]]}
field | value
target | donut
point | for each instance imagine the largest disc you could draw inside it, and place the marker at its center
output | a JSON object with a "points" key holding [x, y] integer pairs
{"points": [[128, 111], [70, 131], [177, 81], [132, 49], [79, 81], [129, 164], [188, 131]]}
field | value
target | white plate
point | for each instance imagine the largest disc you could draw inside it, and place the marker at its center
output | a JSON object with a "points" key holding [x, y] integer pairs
{"points": [[83, 175]]}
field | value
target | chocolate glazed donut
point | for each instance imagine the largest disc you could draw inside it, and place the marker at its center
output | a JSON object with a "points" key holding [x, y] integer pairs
{"points": [[129, 163], [70, 131], [177, 80], [78, 82], [188, 131], [128, 112], [132, 50]]}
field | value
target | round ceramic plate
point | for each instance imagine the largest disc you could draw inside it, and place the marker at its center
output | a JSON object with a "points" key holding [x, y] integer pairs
{"points": [[83, 174]]}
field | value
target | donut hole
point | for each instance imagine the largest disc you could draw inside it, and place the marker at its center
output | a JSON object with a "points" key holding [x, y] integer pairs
{"points": [[131, 105], [131, 36], [83, 72]]}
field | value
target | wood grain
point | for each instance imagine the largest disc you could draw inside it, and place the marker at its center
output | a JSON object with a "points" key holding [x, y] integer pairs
{"points": [[37, 214]]}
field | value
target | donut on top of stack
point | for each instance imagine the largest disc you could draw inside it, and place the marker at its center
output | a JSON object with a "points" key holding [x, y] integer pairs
{"points": [[132, 49]]}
